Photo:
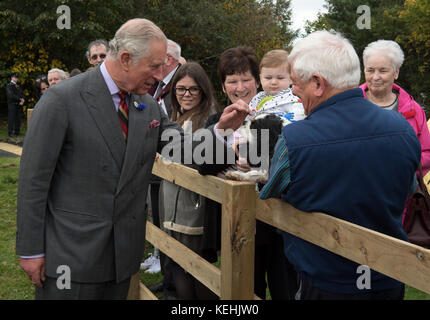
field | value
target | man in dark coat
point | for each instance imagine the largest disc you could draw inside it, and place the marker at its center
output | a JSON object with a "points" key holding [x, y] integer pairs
{"points": [[15, 101]]}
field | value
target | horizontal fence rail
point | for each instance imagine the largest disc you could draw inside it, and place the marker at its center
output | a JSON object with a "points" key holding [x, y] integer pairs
{"points": [[398, 259]]}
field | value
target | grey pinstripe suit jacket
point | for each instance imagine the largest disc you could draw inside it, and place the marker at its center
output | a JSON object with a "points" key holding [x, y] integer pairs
{"points": [[82, 189]]}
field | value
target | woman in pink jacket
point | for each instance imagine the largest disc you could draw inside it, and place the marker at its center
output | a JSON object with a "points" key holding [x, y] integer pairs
{"points": [[382, 61]]}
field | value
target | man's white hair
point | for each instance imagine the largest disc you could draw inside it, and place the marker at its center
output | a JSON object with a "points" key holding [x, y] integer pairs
{"points": [[173, 49], [62, 74], [328, 54], [135, 36], [388, 48]]}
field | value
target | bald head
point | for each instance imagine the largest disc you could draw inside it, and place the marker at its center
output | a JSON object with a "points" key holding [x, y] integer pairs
{"points": [[182, 60]]}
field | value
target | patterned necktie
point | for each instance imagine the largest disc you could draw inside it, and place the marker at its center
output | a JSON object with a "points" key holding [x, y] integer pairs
{"points": [[123, 113], [159, 89]]}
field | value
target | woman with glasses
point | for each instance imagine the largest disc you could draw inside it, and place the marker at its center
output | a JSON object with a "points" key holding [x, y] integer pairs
{"points": [[183, 213]]}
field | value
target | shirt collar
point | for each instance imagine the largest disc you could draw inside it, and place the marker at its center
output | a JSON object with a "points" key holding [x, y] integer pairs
{"points": [[113, 88], [169, 77]]}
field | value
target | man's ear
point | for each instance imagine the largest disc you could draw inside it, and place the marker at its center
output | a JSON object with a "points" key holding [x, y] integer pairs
{"points": [[223, 88], [125, 60], [319, 84]]}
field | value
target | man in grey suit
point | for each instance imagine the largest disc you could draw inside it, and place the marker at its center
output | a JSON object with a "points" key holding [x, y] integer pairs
{"points": [[85, 171]]}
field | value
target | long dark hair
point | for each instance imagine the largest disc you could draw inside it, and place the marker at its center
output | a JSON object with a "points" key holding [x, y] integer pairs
{"points": [[207, 105]]}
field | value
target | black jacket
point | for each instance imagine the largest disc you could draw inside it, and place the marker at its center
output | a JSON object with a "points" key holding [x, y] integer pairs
{"points": [[14, 94]]}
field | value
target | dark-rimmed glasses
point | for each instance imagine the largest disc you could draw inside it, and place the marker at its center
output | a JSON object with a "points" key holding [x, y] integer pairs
{"points": [[95, 56], [194, 91]]}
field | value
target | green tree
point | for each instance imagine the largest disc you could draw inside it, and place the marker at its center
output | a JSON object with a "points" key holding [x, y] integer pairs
{"points": [[205, 28], [415, 41], [32, 44]]}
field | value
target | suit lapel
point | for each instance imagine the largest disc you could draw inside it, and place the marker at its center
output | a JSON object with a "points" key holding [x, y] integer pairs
{"points": [[102, 109]]}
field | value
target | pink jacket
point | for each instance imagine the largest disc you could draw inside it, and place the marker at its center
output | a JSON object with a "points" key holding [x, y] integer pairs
{"points": [[416, 117]]}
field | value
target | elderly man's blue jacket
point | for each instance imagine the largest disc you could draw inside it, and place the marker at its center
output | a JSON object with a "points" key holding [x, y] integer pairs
{"points": [[355, 161]]}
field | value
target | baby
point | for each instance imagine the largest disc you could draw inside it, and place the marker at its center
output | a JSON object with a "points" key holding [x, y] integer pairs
{"points": [[278, 100], [277, 97]]}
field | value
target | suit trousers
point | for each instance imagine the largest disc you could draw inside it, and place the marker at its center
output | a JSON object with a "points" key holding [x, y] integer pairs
{"points": [[83, 291], [13, 119]]}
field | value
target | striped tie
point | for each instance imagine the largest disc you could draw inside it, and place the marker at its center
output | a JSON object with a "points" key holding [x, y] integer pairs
{"points": [[123, 113]]}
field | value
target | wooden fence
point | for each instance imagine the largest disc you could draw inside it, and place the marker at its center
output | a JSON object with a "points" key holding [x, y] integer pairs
{"points": [[234, 280]]}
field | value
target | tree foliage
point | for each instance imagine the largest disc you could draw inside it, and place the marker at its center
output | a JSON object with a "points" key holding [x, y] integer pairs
{"points": [[32, 44], [205, 28], [415, 41], [407, 22]]}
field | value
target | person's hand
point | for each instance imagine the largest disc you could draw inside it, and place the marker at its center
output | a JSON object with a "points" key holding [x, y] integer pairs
{"points": [[233, 116], [35, 269]]}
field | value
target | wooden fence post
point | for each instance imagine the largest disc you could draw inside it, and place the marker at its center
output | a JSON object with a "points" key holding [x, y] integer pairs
{"points": [[238, 241]]}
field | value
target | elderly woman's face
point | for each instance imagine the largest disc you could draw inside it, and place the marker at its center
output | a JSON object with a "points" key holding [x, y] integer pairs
{"points": [[380, 74], [241, 86]]}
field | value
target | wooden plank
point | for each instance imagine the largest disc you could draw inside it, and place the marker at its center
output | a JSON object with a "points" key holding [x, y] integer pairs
{"points": [[145, 293], [198, 267], [208, 186], [426, 180], [398, 259], [11, 148], [133, 291], [237, 242], [29, 111]]}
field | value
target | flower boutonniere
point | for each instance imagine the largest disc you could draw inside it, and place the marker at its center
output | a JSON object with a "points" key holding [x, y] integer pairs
{"points": [[140, 106]]}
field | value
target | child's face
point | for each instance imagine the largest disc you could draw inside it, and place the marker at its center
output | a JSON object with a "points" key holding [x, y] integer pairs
{"points": [[275, 79]]}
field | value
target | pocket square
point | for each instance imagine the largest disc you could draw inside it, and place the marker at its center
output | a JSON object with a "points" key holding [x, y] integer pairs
{"points": [[153, 124]]}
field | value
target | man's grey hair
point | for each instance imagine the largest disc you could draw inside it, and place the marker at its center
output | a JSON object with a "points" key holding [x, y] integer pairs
{"points": [[388, 48], [173, 49], [62, 74], [97, 42], [328, 54], [135, 36]]}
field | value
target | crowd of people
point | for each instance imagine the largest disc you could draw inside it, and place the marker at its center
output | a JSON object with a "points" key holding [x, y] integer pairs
{"points": [[85, 183]]}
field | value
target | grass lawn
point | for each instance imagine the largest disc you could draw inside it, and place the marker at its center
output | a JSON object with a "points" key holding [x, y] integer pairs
{"points": [[3, 127], [14, 284]]}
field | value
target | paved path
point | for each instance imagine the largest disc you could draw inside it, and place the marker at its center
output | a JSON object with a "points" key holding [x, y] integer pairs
{"points": [[8, 150]]}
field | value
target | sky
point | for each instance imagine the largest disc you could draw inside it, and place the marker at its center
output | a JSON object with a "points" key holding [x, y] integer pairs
{"points": [[305, 10]]}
